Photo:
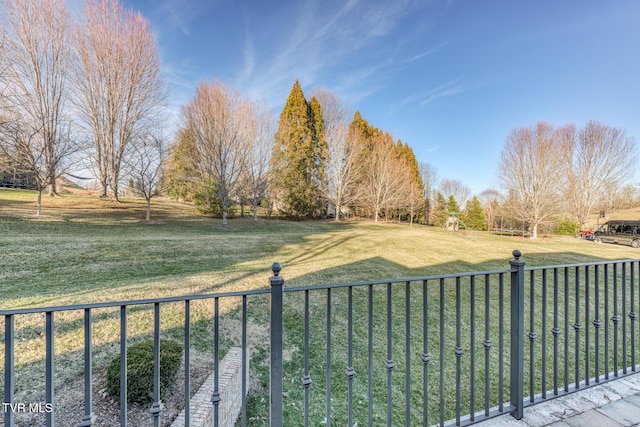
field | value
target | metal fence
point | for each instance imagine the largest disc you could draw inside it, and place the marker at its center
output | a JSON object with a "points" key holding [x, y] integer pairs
{"points": [[413, 351]]}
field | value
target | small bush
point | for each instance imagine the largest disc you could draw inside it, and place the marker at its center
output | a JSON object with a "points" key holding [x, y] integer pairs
{"points": [[140, 370], [567, 227]]}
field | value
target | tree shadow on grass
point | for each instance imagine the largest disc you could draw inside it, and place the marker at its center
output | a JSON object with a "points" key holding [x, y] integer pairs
{"points": [[231, 333]]}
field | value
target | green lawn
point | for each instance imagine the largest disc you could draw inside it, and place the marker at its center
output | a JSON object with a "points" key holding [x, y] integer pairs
{"points": [[83, 249]]}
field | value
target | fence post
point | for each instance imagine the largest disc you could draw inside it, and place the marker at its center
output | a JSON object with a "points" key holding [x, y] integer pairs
{"points": [[276, 370], [516, 388]]}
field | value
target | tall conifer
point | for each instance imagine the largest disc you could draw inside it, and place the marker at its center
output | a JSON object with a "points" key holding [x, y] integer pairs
{"points": [[299, 157]]}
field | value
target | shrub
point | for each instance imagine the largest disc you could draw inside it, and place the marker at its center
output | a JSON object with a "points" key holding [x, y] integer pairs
{"points": [[567, 227], [206, 201], [140, 370]]}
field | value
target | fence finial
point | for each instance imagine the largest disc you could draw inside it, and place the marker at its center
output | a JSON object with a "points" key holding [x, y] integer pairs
{"points": [[276, 267], [517, 254]]}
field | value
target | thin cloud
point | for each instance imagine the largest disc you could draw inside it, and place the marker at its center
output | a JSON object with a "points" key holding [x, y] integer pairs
{"points": [[322, 37], [428, 52], [447, 89], [180, 16], [248, 53]]}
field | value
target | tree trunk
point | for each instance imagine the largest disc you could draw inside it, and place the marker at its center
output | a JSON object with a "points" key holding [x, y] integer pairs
{"points": [[149, 209], [255, 210], [411, 217], [39, 207], [52, 187], [114, 187], [534, 232], [224, 214]]}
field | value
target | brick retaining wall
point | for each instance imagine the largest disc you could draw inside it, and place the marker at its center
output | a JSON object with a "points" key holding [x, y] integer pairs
{"points": [[230, 385]]}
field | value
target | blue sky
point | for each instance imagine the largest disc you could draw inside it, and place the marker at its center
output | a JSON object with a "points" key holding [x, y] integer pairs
{"points": [[451, 78]]}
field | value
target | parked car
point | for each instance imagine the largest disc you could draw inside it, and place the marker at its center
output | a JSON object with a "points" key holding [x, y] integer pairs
{"points": [[623, 232]]}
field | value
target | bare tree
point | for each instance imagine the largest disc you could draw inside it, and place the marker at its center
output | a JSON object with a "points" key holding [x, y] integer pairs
{"points": [[530, 169], [147, 166], [597, 157], [37, 58], [343, 147], [491, 200], [219, 120], [261, 129], [414, 199], [383, 178], [343, 167], [27, 154], [429, 175], [335, 112], [119, 89], [455, 188]]}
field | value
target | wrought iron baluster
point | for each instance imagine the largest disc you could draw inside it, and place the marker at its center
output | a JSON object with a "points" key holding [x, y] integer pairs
{"points": [[350, 372], [531, 335], [458, 350], [555, 331], [245, 368], [566, 329], [597, 323], [89, 416], [577, 326], [123, 366], [442, 342], [616, 320], [187, 363], [389, 363], [407, 386], [623, 317], [328, 358], [587, 302], [472, 347], [487, 344], [544, 333], [156, 408], [633, 315], [606, 322], [426, 356], [49, 368], [9, 373], [370, 356], [501, 342], [306, 379], [215, 397]]}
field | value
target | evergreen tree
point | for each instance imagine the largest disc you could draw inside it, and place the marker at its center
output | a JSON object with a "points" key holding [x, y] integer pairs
{"points": [[440, 211], [181, 180], [473, 215], [320, 150], [452, 205], [299, 157]]}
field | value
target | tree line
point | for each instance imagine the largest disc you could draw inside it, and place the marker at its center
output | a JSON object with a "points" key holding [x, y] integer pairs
{"points": [[82, 89], [314, 162], [87, 91]]}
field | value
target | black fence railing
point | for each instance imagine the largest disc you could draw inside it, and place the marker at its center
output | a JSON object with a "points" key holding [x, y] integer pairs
{"points": [[413, 351]]}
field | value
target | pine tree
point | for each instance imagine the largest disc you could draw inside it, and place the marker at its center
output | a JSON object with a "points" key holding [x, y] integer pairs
{"points": [[453, 207], [440, 211], [181, 180], [299, 157], [320, 150], [473, 215]]}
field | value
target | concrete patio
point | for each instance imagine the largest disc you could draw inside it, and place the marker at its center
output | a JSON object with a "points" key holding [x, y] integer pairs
{"points": [[614, 404]]}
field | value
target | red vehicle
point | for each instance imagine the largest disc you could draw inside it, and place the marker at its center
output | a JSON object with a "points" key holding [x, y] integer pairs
{"points": [[585, 234]]}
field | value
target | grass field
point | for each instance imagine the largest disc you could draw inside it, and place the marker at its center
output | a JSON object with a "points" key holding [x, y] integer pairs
{"points": [[84, 249]]}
